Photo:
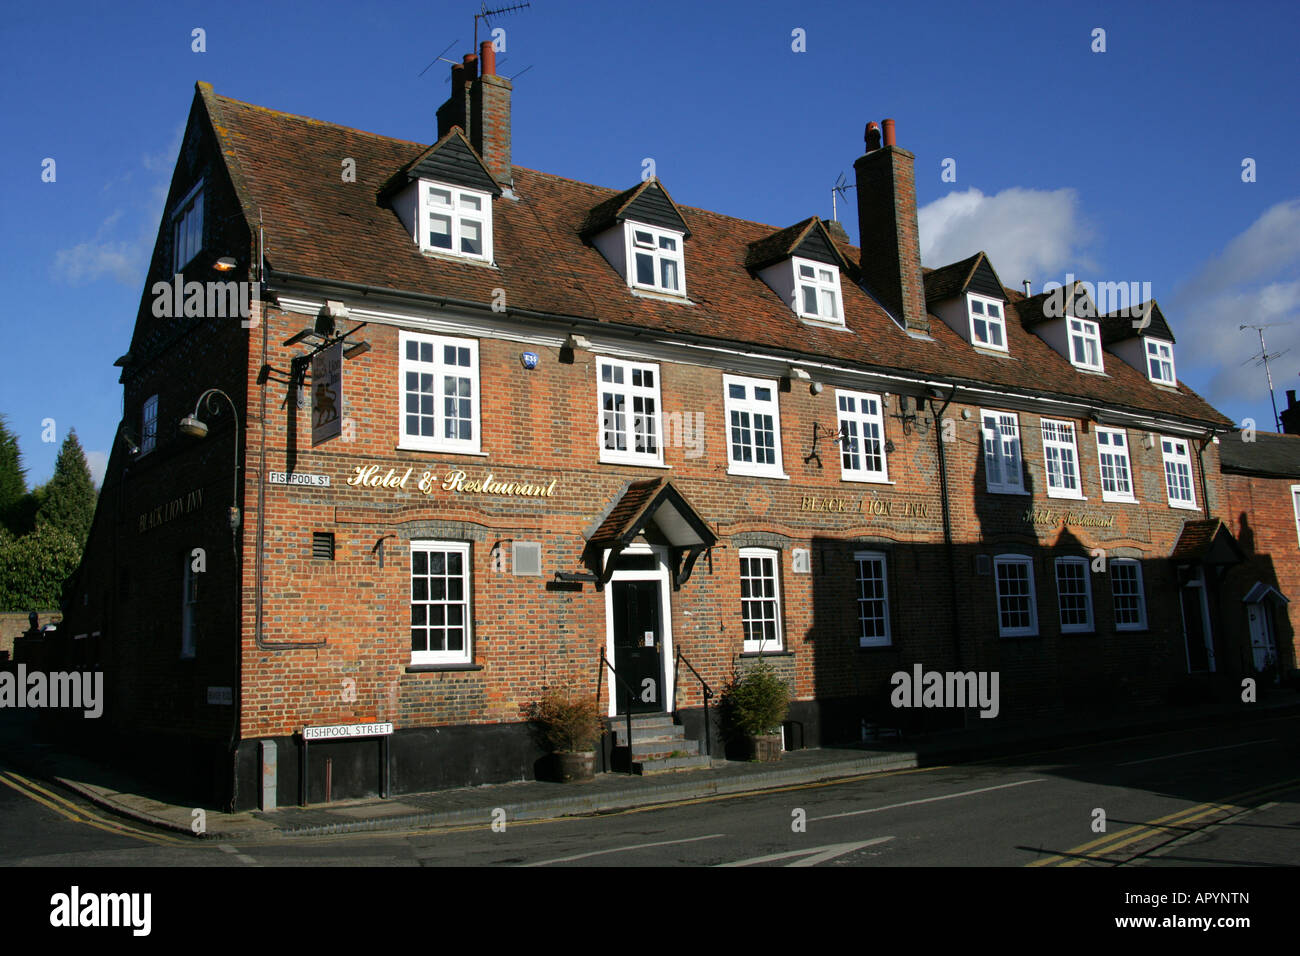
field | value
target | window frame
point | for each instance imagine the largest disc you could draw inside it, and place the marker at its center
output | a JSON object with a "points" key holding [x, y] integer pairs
{"points": [[456, 216], [1141, 625], [1001, 321], [1089, 333], [818, 285], [987, 435], [1031, 629], [436, 442], [1089, 626], [629, 392], [1295, 506], [751, 406], [657, 254], [761, 646], [427, 657], [859, 557], [862, 419], [1167, 346], [1109, 450], [180, 215], [149, 425], [1174, 457], [1061, 446]]}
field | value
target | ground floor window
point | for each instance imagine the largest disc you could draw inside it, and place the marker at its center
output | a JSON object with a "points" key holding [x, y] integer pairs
{"points": [[873, 599], [760, 603], [440, 632], [1074, 594], [1126, 589], [1017, 609]]}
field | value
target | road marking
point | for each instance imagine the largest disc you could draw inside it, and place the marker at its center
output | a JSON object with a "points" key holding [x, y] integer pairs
{"points": [[819, 854], [1188, 753], [913, 803], [621, 849], [1083, 853], [242, 858], [76, 814]]}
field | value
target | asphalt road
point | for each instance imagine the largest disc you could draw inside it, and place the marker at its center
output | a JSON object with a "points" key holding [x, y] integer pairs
{"points": [[1204, 797]]}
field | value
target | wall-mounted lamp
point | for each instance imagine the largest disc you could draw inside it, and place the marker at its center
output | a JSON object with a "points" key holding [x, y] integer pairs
{"points": [[1149, 441], [225, 264], [965, 414], [815, 388], [575, 341]]}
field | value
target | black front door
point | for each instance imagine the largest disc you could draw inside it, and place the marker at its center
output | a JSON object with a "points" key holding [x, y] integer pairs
{"points": [[638, 646], [1198, 645]]}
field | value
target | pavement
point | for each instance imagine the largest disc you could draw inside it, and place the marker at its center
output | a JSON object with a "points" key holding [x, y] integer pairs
{"points": [[121, 794]]}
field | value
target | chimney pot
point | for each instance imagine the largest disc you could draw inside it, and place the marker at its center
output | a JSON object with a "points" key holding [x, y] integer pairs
{"points": [[872, 137], [470, 62], [487, 55], [1029, 289], [1290, 398], [889, 132]]}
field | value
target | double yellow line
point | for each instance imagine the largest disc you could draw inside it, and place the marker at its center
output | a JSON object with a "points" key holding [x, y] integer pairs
{"points": [[66, 808], [1096, 851]]}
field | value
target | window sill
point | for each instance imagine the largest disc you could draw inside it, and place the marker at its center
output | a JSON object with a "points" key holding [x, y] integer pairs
{"points": [[635, 464], [452, 257], [1183, 506], [866, 481], [442, 451], [1131, 629], [1012, 637], [817, 322], [992, 350], [781, 653], [1061, 495], [1082, 632], [434, 668], [1120, 501], [1007, 491], [780, 476], [866, 648], [679, 297]]}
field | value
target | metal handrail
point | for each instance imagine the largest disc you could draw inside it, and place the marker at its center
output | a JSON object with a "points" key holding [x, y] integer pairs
{"points": [[599, 680], [706, 692]]}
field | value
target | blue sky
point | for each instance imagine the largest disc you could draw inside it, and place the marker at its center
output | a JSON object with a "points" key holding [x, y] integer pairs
{"points": [[1122, 165]]}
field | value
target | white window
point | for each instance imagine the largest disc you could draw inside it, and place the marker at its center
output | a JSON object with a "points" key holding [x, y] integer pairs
{"points": [[630, 421], [1017, 607], [1178, 472], [187, 228], [1160, 362], [439, 388], [1295, 505], [1085, 344], [1116, 476], [760, 601], [440, 631], [1126, 589], [817, 290], [1002, 452], [189, 605], [1060, 459], [655, 259], [455, 220], [873, 599], [1074, 594], [149, 425], [862, 446], [987, 322], [753, 426]]}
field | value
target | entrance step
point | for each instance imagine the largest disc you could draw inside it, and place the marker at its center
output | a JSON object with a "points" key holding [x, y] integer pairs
{"points": [[648, 768], [658, 745]]}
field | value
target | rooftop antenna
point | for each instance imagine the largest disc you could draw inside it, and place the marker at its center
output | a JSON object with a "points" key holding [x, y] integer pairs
{"points": [[484, 13], [440, 56], [1262, 359], [839, 189]]}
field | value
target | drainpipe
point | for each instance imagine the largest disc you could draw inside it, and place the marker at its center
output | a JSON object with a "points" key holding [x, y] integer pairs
{"points": [[1200, 458], [947, 526]]}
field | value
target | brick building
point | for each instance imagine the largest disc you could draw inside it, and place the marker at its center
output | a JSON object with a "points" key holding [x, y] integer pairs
{"points": [[575, 421]]}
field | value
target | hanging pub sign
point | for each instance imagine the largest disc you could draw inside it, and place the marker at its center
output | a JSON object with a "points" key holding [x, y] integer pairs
{"points": [[327, 394]]}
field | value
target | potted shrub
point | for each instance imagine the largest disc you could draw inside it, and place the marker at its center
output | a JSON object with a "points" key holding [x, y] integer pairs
{"points": [[752, 708], [571, 723]]}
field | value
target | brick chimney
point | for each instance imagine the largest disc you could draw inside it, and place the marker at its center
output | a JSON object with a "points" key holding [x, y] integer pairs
{"points": [[887, 230], [480, 105], [1291, 414]]}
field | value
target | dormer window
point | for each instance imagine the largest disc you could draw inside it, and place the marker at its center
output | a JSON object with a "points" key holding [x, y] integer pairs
{"points": [[456, 221], [818, 290], [1085, 344], [987, 322], [1160, 362], [187, 228], [655, 259]]}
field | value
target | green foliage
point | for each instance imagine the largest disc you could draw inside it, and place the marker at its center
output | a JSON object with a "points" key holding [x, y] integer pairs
{"points": [[34, 567], [570, 722], [754, 703], [13, 477], [69, 497]]}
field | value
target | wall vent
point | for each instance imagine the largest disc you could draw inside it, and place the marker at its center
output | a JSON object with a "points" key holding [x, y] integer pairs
{"points": [[983, 565], [322, 545], [526, 557]]}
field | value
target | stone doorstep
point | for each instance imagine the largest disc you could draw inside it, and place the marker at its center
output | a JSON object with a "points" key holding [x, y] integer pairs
{"points": [[646, 768]]}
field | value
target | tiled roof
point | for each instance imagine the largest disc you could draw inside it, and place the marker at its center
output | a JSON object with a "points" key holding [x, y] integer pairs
{"points": [[1269, 454], [628, 509], [950, 280], [318, 226], [1116, 327], [1196, 538]]}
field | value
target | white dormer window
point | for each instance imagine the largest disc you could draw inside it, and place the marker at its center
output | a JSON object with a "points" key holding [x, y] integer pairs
{"points": [[1085, 344], [187, 228], [817, 291], [1160, 362], [988, 327], [455, 221], [655, 259]]}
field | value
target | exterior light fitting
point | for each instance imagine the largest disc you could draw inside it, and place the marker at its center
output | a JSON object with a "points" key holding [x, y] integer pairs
{"points": [[575, 341], [225, 264], [193, 426], [352, 351]]}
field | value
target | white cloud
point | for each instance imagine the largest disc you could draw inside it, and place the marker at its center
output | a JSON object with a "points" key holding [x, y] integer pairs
{"points": [[1028, 233], [98, 462], [1254, 280], [118, 260]]}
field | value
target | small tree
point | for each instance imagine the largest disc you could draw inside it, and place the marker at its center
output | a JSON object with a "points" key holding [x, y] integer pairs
{"points": [[570, 722], [755, 703], [69, 497]]}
